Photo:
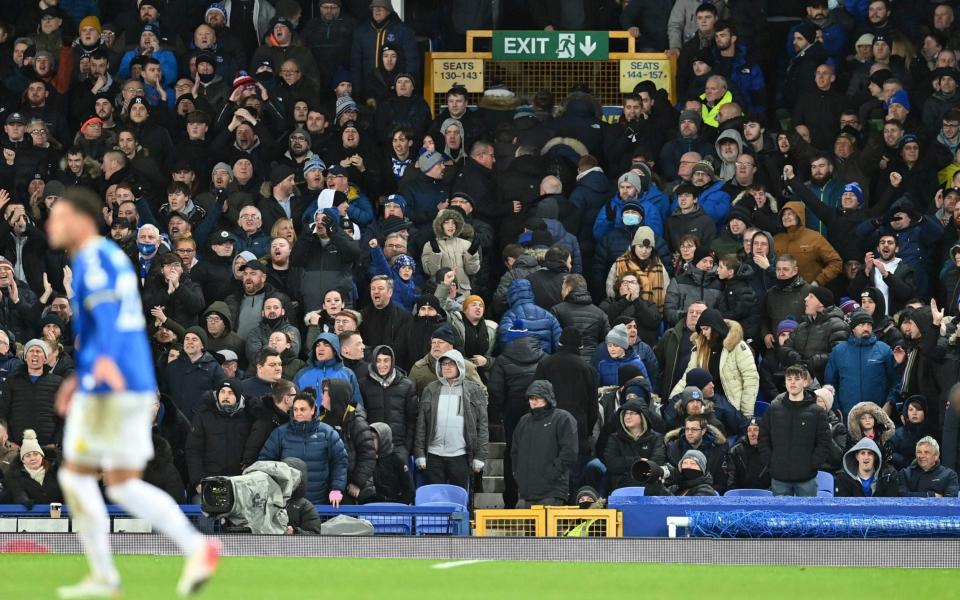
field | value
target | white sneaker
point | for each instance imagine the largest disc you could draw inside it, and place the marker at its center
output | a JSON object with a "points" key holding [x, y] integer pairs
{"points": [[88, 588], [199, 568]]}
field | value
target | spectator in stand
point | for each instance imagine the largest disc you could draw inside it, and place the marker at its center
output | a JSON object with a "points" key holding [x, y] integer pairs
{"points": [[315, 443], [794, 438], [269, 367], [544, 449], [541, 323], [390, 397], [424, 371], [698, 283], [696, 434], [862, 369], [926, 477], [218, 436], [746, 468], [822, 328], [577, 310], [191, 374], [383, 319], [914, 427], [452, 436], [327, 363], [634, 439], [390, 478], [268, 412], [28, 398], [340, 412], [865, 474], [273, 319], [817, 261], [33, 478]]}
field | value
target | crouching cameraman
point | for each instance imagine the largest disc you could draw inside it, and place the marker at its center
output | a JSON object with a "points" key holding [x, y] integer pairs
{"points": [[693, 479]]}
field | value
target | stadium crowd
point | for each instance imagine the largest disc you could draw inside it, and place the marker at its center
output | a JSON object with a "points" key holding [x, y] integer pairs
{"points": [[748, 285]]}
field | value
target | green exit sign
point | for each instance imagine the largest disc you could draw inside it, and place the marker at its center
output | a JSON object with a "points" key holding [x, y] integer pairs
{"points": [[550, 45]]}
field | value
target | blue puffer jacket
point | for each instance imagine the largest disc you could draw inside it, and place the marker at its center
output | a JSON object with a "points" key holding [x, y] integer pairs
{"points": [[538, 321], [316, 444], [568, 240], [748, 79], [862, 370], [609, 366], [316, 371], [714, 201], [609, 217]]}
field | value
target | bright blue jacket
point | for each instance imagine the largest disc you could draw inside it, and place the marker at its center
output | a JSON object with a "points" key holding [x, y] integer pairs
{"points": [[404, 292], [316, 444], [610, 216], [609, 366], [861, 370], [714, 201], [316, 371], [539, 322]]}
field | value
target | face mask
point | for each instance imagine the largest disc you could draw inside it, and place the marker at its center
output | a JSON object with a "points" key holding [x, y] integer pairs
{"points": [[147, 249], [207, 77], [690, 474], [631, 219]]}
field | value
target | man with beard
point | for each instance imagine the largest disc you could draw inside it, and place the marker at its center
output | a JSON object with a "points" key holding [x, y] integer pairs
{"points": [[383, 320], [731, 59], [274, 318], [820, 109], [785, 298], [801, 69], [636, 126], [282, 44], [247, 306], [824, 186], [942, 101], [862, 369], [834, 36], [224, 191], [688, 140], [328, 36], [888, 273]]}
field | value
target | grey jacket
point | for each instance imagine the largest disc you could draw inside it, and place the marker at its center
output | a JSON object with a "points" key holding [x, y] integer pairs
{"points": [[473, 404]]}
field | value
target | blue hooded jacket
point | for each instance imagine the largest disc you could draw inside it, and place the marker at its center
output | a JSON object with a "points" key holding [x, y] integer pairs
{"points": [[652, 201], [714, 201], [862, 370], [539, 322], [316, 371]]}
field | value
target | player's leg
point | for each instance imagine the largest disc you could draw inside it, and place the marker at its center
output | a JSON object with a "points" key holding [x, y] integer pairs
{"points": [[155, 506]]}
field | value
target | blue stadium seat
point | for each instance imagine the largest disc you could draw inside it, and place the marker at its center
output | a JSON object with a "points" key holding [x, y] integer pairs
{"points": [[441, 492], [759, 408], [748, 492], [824, 484], [628, 492]]}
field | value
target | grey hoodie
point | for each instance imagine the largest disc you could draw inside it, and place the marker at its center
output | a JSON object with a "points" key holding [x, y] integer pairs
{"points": [[850, 464], [385, 438], [728, 169]]}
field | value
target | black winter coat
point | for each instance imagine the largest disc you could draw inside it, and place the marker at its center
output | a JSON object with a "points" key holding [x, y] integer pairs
{"points": [[575, 388], [357, 438], [713, 446], [187, 383], [391, 400], [814, 339], [739, 302], [382, 327], [512, 373], [746, 468], [216, 443], [24, 490], [267, 417], [174, 428], [622, 450], [794, 438], [325, 267], [29, 405], [183, 305], [480, 184], [161, 471], [578, 311], [546, 284], [543, 451], [784, 298], [848, 487]]}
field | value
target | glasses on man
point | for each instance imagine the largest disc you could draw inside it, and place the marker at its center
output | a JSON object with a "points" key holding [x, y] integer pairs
{"points": [[693, 429], [185, 251]]}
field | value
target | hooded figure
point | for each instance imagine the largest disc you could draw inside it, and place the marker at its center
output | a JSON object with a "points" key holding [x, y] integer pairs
{"points": [[459, 250], [817, 260], [628, 445], [357, 438], [391, 399], [728, 168], [393, 483], [884, 327], [302, 515], [883, 426], [544, 449], [414, 339], [850, 482], [318, 370]]}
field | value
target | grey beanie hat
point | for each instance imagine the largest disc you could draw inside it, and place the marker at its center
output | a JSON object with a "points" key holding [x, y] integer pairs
{"points": [[38, 343], [698, 456], [222, 166], [633, 179], [618, 336]]}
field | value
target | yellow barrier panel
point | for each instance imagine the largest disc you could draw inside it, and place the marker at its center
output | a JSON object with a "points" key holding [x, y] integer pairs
{"points": [[511, 523], [570, 521], [609, 78]]}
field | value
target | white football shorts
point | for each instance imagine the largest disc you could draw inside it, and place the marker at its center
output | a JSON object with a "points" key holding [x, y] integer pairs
{"points": [[110, 431]]}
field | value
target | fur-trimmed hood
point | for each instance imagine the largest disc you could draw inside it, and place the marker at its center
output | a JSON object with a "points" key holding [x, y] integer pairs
{"points": [[574, 144], [746, 196], [882, 421], [444, 215], [713, 434]]}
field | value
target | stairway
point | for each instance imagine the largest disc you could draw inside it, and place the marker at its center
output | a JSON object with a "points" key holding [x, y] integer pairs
{"points": [[492, 495]]}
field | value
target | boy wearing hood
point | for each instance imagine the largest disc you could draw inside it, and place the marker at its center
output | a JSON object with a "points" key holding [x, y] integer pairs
{"points": [[864, 473], [341, 414], [544, 449], [392, 482], [326, 363], [452, 435], [905, 438]]}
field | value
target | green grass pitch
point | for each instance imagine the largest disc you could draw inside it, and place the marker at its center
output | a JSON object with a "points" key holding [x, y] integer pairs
{"points": [[149, 577]]}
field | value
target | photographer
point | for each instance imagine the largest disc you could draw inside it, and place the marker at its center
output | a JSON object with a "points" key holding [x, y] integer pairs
{"points": [[692, 479]]}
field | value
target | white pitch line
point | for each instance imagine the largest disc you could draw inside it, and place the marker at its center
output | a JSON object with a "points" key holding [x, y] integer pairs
{"points": [[456, 563]]}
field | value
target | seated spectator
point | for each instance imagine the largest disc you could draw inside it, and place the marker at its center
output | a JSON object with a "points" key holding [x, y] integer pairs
{"points": [[746, 468], [218, 435], [544, 449], [392, 482], [458, 407], [302, 515], [619, 353], [340, 412], [33, 478], [691, 478], [315, 443], [905, 438], [633, 439], [926, 477], [864, 473], [697, 434]]}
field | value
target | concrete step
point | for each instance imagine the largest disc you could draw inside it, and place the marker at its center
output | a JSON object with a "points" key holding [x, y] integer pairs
{"points": [[493, 468], [496, 450], [488, 500], [493, 484]]}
